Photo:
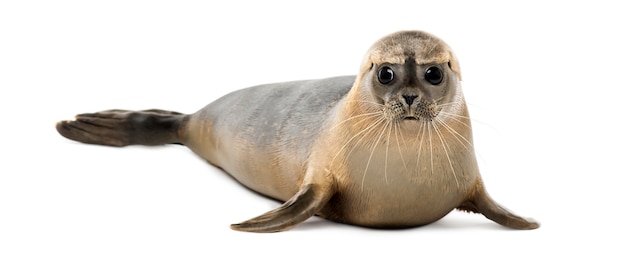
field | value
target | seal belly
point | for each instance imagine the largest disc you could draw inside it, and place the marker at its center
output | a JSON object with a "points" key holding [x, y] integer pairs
{"points": [[389, 186], [262, 135], [397, 193]]}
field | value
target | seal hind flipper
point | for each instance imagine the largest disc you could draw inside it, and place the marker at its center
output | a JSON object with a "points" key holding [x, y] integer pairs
{"points": [[308, 201], [121, 127], [481, 202]]}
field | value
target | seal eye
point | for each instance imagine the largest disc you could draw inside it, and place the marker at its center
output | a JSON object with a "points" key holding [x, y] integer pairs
{"points": [[385, 75], [433, 75]]}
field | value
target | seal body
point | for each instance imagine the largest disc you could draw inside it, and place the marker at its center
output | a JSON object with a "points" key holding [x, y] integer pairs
{"points": [[263, 135], [389, 147]]}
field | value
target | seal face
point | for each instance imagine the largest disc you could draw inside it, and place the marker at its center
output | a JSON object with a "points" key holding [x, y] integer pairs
{"points": [[390, 147], [411, 97]]}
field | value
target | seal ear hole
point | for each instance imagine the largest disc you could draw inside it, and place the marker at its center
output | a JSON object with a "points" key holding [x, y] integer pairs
{"points": [[434, 75], [385, 75]]}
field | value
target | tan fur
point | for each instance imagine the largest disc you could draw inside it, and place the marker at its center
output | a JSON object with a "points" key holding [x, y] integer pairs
{"points": [[377, 153]]}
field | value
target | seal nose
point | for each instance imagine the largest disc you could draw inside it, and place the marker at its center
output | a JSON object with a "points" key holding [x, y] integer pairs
{"points": [[409, 99]]}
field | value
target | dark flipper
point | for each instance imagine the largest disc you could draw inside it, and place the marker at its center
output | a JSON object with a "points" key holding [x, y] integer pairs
{"points": [[121, 128], [308, 201], [481, 202]]}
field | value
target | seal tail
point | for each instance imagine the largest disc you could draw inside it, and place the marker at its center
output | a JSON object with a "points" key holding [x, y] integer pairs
{"points": [[121, 127]]}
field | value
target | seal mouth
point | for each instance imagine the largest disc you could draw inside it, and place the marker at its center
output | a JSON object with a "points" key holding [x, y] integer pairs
{"points": [[410, 118]]}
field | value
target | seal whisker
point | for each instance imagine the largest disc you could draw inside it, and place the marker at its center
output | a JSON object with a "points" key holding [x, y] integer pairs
{"points": [[421, 137], [371, 129], [450, 103], [362, 132], [387, 150], [367, 102], [395, 131], [456, 135], [457, 117], [369, 160], [453, 117], [445, 147], [430, 142], [357, 116]]}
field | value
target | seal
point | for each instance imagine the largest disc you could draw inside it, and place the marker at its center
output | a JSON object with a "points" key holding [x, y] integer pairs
{"points": [[389, 148]]}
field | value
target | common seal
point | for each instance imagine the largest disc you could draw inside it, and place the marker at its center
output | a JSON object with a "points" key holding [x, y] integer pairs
{"points": [[388, 148]]}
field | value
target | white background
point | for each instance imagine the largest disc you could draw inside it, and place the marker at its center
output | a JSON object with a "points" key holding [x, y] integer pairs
{"points": [[544, 82]]}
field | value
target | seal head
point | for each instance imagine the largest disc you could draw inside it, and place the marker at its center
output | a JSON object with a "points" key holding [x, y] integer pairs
{"points": [[412, 73]]}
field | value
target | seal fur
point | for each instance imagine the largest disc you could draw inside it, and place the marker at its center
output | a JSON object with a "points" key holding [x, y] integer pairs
{"points": [[390, 147]]}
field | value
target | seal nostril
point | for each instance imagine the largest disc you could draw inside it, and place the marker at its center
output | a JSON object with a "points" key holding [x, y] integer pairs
{"points": [[409, 99]]}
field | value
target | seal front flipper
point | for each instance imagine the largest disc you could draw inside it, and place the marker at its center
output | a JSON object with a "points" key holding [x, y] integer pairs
{"points": [[308, 201], [121, 128], [481, 202]]}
